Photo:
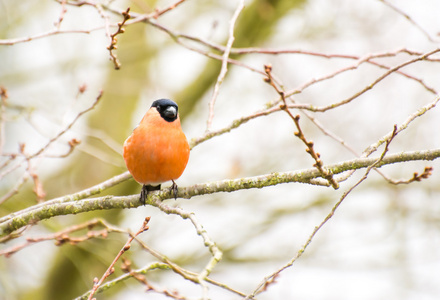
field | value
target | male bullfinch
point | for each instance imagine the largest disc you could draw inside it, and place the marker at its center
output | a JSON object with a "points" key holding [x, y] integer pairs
{"points": [[157, 150]]}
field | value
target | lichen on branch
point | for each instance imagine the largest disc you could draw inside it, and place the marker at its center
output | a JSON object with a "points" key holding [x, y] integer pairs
{"points": [[32, 215]]}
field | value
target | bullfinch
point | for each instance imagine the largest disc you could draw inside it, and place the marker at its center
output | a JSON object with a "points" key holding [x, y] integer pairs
{"points": [[157, 151]]}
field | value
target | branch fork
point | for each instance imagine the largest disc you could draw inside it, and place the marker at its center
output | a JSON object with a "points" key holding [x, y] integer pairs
{"points": [[309, 144]]}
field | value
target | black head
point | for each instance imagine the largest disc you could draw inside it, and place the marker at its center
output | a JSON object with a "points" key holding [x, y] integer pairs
{"points": [[167, 109]]}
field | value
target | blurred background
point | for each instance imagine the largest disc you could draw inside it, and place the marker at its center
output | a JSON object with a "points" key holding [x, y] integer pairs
{"points": [[382, 243]]}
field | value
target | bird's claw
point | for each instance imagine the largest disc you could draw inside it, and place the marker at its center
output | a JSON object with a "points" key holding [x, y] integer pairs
{"points": [[173, 189], [146, 188]]}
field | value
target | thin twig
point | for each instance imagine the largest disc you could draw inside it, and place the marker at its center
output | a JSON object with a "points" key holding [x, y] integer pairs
{"points": [[186, 274], [235, 124], [27, 158], [62, 14], [16, 188], [270, 279], [47, 34], [213, 249], [126, 267], [111, 268], [369, 58], [362, 91], [113, 40], [421, 111], [64, 236], [411, 20], [310, 145], [427, 172], [224, 68], [55, 138], [159, 12], [69, 126], [122, 278], [3, 104]]}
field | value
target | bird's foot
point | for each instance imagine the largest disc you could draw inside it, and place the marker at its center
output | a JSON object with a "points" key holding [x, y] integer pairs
{"points": [[144, 192], [173, 188]]}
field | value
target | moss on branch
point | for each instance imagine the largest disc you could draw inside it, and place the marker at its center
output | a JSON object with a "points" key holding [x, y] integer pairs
{"points": [[64, 206]]}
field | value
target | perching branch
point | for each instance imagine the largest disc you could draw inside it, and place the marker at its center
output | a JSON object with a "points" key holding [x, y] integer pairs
{"points": [[67, 205]]}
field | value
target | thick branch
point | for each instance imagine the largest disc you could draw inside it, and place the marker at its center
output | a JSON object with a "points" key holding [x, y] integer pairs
{"points": [[40, 212], [73, 197]]}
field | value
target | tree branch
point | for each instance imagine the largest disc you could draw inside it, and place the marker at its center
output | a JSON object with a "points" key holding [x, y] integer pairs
{"points": [[51, 209], [271, 278], [224, 68]]}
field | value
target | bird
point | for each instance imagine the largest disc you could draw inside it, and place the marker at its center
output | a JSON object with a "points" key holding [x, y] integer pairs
{"points": [[157, 150]]}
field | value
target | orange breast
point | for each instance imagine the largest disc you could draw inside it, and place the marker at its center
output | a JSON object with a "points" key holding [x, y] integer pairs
{"points": [[157, 151]]}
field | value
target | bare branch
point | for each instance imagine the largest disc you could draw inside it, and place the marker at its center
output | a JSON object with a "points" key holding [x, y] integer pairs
{"points": [[427, 172], [3, 99], [271, 278], [310, 145], [67, 205], [159, 12], [362, 91], [122, 278], [215, 251], [373, 147], [126, 267], [74, 197], [63, 236], [113, 40], [111, 269], [411, 20], [224, 67]]}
